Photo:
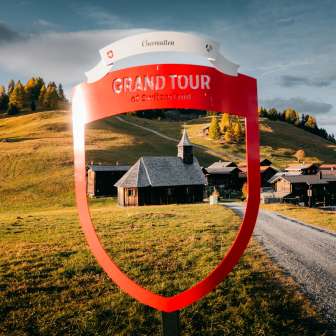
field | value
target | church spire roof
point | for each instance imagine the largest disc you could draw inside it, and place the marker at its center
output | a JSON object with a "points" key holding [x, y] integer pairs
{"points": [[184, 139]]}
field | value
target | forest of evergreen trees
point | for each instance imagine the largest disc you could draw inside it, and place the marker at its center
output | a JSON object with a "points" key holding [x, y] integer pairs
{"points": [[31, 96], [304, 121]]}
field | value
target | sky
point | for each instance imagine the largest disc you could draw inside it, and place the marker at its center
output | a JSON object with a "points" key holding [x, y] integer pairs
{"points": [[289, 46]]}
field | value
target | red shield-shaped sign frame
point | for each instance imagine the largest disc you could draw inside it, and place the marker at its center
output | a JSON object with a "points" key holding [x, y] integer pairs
{"points": [[236, 95]]}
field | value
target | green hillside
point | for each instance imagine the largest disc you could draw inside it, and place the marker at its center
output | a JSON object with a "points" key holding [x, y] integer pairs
{"points": [[37, 163]]}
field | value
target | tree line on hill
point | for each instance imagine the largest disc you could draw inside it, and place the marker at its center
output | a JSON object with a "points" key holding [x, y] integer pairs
{"points": [[229, 128], [33, 95], [304, 121]]}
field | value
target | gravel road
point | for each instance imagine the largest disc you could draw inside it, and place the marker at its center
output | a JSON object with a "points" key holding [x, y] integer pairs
{"points": [[307, 253]]}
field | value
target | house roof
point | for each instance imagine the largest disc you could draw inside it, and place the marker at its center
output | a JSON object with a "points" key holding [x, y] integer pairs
{"points": [[221, 170], [162, 171], [184, 139], [107, 168], [300, 167], [222, 164], [328, 166], [263, 162], [308, 179], [275, 176], [262, 168]]}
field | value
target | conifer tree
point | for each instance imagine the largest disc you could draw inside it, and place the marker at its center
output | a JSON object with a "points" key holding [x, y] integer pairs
{"points": [[228, 136], [51, 96], [42, 96], [311, 122], [225, 122], [10, 88], [3, 99], [237, 130], [60, 93], [39, 82], [17, 96], [214, 131], [29, 91]]}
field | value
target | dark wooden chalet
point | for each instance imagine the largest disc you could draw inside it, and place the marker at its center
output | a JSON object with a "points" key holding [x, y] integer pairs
{"points": [[224, 176], [163, 179], [303, 169], [266, 173], [101, 179], [308, 189]]}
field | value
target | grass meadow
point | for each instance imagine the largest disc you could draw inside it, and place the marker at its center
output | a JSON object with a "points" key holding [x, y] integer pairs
{"points": [[51, 285]]}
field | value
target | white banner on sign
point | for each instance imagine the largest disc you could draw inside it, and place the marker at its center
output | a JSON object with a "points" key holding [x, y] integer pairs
{"points": [[160, 42]]}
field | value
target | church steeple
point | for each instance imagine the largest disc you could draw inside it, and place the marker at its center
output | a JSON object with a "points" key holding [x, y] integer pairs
{"points": [[185, 149]]}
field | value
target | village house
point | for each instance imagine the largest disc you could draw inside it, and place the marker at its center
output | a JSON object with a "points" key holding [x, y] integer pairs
{"points": [[312, 190], [224, 177], [101, 179], [303, 169], [163, 179], [266, 172], [328, 167]]}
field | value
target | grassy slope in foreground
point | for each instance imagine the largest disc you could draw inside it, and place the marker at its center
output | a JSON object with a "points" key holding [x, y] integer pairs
{"points": [[51, 285]]}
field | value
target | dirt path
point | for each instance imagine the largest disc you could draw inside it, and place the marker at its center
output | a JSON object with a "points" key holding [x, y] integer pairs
{"points": [[306, 252]]}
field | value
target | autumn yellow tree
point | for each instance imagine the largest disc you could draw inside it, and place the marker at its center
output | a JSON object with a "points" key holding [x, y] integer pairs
{"points": [[17, 96], [311, 122], [214, 131], [225, 123], [228, 136], [42, 96], [237, 130]]}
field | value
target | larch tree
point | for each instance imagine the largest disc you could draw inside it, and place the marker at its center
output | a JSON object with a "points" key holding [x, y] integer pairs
{"points": [[51, 97], [42, 96], [214, 131], [311, 122], [10, 87], [228, 136], [17, 96], [225, 122], [237, 130]]}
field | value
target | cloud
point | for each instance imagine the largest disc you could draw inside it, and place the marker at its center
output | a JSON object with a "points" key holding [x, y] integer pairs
{"points": [[300, 104], [7, 34], [45, 24], [101, 17], [291, 81], [59, 56]]}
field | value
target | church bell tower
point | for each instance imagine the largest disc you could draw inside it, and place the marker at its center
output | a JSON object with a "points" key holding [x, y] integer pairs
{"points": [[185, 149]]}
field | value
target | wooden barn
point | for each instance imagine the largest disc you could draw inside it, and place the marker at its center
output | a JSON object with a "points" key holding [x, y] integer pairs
{"points": [[163, 179], [224, 176], [101, 179]]}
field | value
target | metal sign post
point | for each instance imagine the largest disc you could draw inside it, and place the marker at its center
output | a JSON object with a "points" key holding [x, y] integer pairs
{"points": [[214, 87], [170, 323]]}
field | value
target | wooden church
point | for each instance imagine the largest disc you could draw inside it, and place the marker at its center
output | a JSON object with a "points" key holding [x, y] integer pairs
{"points": [[163, 179]]}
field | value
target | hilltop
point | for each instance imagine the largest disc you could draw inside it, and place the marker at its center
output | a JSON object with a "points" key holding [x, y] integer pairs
{"points": [[37, 160]]}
